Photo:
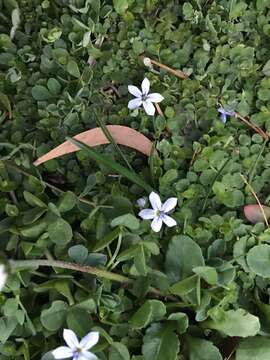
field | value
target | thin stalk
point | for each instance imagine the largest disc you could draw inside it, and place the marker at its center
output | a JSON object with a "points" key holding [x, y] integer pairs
{"points": [[215, 178], [16, 264], [118, 246], [109, 136], [20, 264], [251, 172]]}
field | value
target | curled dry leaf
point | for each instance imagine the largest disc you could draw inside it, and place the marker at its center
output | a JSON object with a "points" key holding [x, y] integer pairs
{"points": [[122, 135], [254, 214]]}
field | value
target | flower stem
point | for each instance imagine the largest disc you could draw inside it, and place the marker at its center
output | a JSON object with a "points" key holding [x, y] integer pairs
{"points": [[16, 264]]}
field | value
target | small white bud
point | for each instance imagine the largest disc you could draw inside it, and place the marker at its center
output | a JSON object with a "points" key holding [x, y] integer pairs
{"points": [[147, 62]]}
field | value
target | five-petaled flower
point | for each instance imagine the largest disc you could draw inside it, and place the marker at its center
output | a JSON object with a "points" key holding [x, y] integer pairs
{"points": [[159, 211], [3, 276], [144, 98], [224, 113], [77, 350]]}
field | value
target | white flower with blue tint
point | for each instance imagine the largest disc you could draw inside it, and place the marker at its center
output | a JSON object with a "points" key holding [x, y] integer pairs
{"points": [[3, 276], [159, 211], [75, 349], [143, 98], [224, 113]]}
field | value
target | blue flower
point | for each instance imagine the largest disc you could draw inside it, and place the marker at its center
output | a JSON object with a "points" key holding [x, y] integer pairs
{"points": [[224, 113]]}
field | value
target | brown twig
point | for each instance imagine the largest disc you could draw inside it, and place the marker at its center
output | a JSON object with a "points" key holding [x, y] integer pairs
{"points": [[257, 199], [180, 74], [256, 128]]}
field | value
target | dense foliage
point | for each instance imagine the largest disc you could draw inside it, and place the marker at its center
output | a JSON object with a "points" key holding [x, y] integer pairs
{"points": [[64, 67]]}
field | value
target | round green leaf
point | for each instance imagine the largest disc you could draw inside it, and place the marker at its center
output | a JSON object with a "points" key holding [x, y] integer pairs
{"points": [[118, 351], [256, 348], [53, 318], [60, 232], [258, 259], [200, 349]]}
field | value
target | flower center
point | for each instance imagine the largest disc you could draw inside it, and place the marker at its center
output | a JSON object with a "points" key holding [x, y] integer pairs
{"points": [[144, 97], [159, 213]]}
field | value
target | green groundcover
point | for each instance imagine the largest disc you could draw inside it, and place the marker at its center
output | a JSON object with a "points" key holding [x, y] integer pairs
{"points": [[158, 250]]}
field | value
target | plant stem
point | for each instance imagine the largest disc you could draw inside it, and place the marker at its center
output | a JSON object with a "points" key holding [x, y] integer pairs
{"points": [[20, 264], [16, 264]]}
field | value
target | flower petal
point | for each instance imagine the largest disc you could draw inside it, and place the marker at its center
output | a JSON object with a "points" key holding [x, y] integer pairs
{"points": [[156, 224], [155, 201], [134, 90], [149, 107], [134, 104], [141, 203], [155, 97], [87, 355], [147, 214], [70, 338], [62, 352], [145, 86], [169, 204], [223, 118], [3, 276], [89, 340], [169, 221]]}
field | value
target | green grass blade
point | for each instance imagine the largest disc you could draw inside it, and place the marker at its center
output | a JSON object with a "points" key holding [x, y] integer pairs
{"points": [[104, 160], [112, 141]]}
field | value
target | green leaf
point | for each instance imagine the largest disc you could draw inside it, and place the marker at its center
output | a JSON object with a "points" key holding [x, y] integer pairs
{"points": [[5, 103], [184, 287], [266, 68], [54, 86], [207, 273], [33, 200], [73, 69], [10, 307], [79, 321], [34, 230], [181, 320], [256, 348], [151, 310], [160, 342], [67, 201], [142, 317], [258, 259], [120, 6], [107, 240], [7, 325], [235, 323], [118, 351], [60, 232], [78, 253], [200, 349], [53, 318], [127, 220], [140, 261], [133, 177], [40, 93], [182, 256]]}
